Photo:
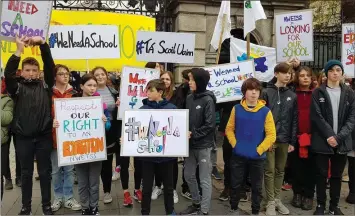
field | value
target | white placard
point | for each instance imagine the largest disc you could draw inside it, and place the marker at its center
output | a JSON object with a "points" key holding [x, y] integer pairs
{"points": [[81, 132], [294, 35], [25, 18], [155, 133], [348, 49], [84, 42], [165, 47], [226, 79], [133, 87]]}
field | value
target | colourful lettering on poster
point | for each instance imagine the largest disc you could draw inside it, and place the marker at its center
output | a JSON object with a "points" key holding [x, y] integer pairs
{"points": [[349, 38]]}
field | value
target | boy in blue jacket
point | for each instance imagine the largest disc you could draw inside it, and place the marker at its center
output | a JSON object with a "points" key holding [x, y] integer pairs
{"points": [[155, 100]]}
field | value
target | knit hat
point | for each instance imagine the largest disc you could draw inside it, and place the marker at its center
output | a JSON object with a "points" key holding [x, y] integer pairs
{"points": [[201, 77], [330, 64]]}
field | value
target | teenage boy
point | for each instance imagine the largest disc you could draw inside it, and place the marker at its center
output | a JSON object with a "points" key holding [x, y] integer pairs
{"points": [[333, 120], [252, 124], [32, 123], [202, 121], [165, 165], [283, 104]]}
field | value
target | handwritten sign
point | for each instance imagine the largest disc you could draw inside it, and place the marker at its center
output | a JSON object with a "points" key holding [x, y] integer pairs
{"points": [[25, 18], [155, 133], [84, 42], [133, 87], [81, 132], [294, 35], [165, 47], [226, 79], [348, 49]]}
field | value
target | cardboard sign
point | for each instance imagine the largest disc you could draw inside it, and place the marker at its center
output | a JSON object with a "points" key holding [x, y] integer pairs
{"points": [[165, 47], [81, 132], [25, 18], [348, 49], [155, 133], [133, 87], [84, 42], [226, 80], [294, 35]]}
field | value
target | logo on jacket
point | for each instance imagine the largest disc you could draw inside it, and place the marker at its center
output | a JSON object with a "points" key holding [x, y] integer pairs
{"points": [[288, 98], [321, 100], [198, 107]]}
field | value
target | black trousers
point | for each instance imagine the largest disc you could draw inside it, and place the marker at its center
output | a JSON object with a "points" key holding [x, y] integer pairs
{"points": [[159, 178], [303, 176], [4, 163], [28, 147], [337, 166], [167, 173], [238, 166], [124, 173], [106, 173], [227, 154], [351, 172]]}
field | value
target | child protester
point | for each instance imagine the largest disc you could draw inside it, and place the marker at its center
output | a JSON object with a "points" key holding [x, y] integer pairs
{"points": [[251, 132], [89, 173], [165, 165]]}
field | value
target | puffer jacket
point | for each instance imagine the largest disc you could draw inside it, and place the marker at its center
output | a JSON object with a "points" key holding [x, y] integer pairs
{"points": [[283, 104], [202, 119], [7, 108], [322, 121]]}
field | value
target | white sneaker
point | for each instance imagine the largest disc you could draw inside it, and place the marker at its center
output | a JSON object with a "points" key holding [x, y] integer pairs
{"points": [[281, 208], [156, 193], [115, 176], [176, 197], [270, 208], [72, 204], [57, 204], [107, 198]]}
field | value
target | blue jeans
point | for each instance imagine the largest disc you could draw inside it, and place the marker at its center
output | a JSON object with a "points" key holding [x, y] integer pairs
{"points": [[63, 179]]}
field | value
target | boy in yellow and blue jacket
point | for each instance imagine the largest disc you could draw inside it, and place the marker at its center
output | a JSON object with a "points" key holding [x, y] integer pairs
{"points": [[251, 132]]}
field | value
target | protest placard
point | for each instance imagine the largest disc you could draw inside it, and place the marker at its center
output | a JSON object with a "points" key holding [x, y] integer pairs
{"points": [[133, 87], [84, 42], [155, 133], [294, 35], [226, 79], [264, 58], [165, 47], [348, 49], [81, 132], [25, 18]]}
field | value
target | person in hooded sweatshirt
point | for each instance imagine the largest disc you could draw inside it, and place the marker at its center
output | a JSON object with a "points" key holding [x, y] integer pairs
{"points": [[283, 104], [202, 122]]}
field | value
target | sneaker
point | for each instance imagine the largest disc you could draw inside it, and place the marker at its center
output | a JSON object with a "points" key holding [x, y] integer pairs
{"points": [[351, 198], [186, 194], [8, 184], [307, 204], [156, 193], [297, 201], [137, 195], [216, 174], [115, 176], [244, 198], [176, 197], [47, 210], [286, 187], [85, 212], [18, 182], [127, 200], [270, 208], [233, 212], [281, 208], [25, 211], [224, 195], [192, 209], [95, 211], [107, 198], [202, 213], [320, 210], [72, 204], [335, 211], [57, 204]]}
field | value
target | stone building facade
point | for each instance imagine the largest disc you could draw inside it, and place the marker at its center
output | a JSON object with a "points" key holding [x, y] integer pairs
{"points": [[199, 17]]}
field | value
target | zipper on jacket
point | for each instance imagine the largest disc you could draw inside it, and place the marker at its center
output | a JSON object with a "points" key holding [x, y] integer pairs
{"points": [[278, 94]]}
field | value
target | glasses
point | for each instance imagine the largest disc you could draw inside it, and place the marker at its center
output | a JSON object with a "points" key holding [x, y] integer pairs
{"points": [[63, 74]]}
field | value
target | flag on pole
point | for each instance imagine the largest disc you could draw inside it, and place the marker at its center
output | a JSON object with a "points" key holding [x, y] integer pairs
{"points": [[224, 11], [253, 11]]}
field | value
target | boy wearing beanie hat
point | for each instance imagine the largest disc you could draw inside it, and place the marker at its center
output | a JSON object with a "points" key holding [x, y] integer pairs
{"points": [[202, 123], [332, 122]]}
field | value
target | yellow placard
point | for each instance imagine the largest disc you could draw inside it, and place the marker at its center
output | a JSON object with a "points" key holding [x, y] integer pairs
{"points": [[128, 25]]}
